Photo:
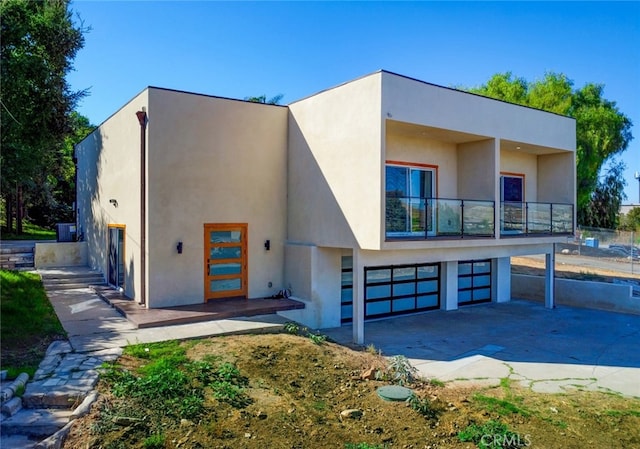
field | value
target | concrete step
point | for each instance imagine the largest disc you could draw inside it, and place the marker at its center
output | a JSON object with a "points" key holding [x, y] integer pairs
{"points": [[35, 423], [73, 286], [13, 249], [60, 273], [73, 280]]}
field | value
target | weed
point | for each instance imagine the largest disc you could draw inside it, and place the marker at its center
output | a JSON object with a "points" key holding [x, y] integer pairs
{"points": [[401, 371], [155, 441], [292, 327], [492, 435], [231, 394], [436, 382], [371, 349], [317, 339], [422, 406], [319, 405]]}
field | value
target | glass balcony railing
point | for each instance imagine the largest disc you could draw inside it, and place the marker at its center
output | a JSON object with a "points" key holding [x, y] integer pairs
{"points": [[422, 218], [530, 219]]}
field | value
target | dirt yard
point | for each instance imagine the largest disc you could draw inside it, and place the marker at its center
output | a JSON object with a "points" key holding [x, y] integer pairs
{"points": [[297, 394]]}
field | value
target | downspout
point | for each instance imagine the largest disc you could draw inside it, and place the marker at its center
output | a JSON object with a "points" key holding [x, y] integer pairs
{"points": [[142, 119]]}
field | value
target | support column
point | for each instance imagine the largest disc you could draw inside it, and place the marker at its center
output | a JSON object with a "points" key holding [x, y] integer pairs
{"points": [[550, 280], [449, 285], [502, 279], [358, 298]]}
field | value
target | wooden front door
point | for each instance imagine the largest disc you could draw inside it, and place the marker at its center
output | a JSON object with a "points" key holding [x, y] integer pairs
{"points": [[225, 260]]}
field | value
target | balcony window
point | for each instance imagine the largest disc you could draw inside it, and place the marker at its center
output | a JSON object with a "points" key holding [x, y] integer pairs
{"points": [[407, 190]]}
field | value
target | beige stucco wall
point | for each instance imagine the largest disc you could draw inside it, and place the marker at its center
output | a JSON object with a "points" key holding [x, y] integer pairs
{"points": [[335, 166], [557, 178], [109, 168], [414, 150], [413, 101], [476, 170], [213, 160]]}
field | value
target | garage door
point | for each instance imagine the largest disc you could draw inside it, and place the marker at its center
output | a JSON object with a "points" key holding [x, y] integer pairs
{"points": [[474, 282], [401, 289]]}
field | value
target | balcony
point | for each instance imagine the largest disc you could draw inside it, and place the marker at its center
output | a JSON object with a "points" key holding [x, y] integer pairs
{"points": [[415, 218], [532, 219]]}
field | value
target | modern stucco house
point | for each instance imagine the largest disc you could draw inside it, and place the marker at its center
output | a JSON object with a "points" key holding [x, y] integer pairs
{"points": [[385, 195]]}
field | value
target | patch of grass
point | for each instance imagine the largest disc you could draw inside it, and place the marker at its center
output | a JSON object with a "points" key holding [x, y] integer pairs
{"points": [[492, 435], [156, 441], [154, 351], [501, 406], [29, 232], [29, 322]]}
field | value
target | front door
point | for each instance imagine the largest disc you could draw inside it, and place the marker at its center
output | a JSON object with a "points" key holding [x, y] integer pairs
{"points": [[116, 255], [225, 260]]}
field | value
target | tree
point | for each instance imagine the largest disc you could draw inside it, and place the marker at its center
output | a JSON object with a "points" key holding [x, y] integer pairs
{"points": [[263, 99], [603, 208], [39, 43], [602, 131], [630, 221], [54, 193]]}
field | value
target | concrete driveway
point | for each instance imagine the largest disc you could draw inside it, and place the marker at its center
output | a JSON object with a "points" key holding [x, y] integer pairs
{"points": [[547, 350]]}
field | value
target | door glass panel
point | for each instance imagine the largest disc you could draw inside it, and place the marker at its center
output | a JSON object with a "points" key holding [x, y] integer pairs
{"points": [[408, 288], [225, 284], [224, 236], [225, 252], [404, 273], [429, 271], [219, 269], [383, 275], [400, 305]]}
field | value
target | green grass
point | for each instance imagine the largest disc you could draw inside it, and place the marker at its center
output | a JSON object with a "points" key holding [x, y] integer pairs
{"points": [[29, 232], [28, 322]]}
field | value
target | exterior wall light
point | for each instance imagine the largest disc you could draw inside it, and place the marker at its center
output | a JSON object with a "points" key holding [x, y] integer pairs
{"points": [[114, 202]]}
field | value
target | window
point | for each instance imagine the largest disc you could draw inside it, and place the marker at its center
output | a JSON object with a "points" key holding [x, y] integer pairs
{"points": [[408, 190]]}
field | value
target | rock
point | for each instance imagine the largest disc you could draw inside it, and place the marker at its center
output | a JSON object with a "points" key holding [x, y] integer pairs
{"points": [[186, 423], [368, 374], [261, 415], [351, 413]]}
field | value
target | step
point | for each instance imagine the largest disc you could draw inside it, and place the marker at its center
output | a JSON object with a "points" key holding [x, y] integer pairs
{"points": [[16, 249], [38, 423], [57, 275], [86, 280], [73, 286]]}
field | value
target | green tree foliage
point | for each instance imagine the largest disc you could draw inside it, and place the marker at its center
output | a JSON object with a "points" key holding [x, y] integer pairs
{"points": [[263, 99], [39, 43], [602, 131], [630, 221], [604, 204], [53, 192]]}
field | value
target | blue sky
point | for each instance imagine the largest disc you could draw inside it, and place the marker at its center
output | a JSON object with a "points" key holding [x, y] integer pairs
{"points": [[241, 49]]}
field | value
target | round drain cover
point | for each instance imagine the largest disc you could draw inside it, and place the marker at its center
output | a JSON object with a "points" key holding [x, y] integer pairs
{"points": [[394, 393]]}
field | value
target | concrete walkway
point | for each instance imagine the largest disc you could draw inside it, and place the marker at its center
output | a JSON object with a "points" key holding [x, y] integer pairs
{"points": [[546, 350]]}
